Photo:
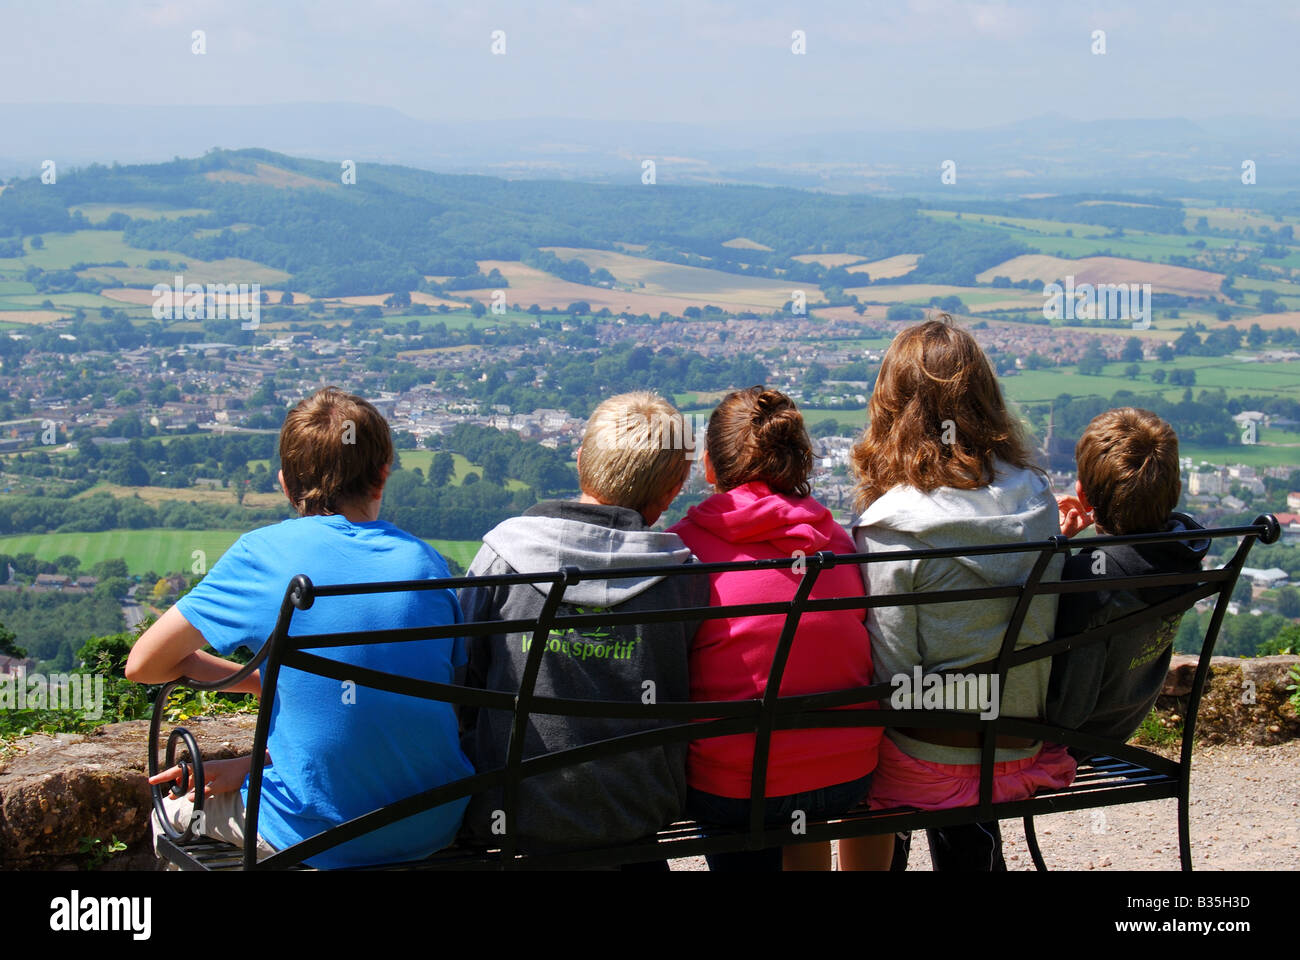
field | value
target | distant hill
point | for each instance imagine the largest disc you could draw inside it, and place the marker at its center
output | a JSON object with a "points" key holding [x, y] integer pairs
{"points": [[1045, 153], [396, 225]]}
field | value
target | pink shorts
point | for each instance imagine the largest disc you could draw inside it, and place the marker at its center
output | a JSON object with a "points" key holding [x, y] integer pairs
{"points": [[904, 781]]}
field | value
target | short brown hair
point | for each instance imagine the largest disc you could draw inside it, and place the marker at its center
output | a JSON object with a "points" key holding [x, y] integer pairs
{"points": [[937, 417], [758, 434], [635, 450], [1128, 468], [333, 449]]}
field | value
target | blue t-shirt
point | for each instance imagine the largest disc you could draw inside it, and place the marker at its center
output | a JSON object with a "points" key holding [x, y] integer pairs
{"points": [[339, 751]]}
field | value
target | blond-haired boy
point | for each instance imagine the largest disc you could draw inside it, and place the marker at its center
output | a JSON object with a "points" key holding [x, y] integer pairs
{"points": [[632, 464]]}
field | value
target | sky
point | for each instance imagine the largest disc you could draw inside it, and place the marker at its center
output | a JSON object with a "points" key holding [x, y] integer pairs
{"points": [[904, 64]]}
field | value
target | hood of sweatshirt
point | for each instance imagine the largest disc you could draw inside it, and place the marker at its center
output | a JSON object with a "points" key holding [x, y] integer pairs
{"points": [[559, 533], [1135, 559], [1017, 506], [753, 513]]}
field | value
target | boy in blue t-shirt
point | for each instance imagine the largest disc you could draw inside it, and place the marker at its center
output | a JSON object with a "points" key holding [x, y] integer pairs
{"points": [[335, 750]]}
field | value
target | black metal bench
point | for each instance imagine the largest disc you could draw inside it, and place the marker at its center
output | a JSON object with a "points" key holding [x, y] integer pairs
{"points": [[1114, 773]]}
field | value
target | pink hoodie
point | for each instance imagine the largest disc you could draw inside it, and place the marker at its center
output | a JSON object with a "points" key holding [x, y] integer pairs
{"points": [[730, 659]]}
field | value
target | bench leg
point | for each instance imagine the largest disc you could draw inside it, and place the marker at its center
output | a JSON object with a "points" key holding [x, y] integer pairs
{"points": [[1184, 836], [1031, 840]]}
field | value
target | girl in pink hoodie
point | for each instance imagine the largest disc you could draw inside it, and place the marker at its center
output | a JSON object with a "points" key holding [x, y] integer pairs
{"points": [[758, 460]]}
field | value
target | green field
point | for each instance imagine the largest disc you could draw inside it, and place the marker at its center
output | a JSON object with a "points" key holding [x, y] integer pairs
{"points": [[99, 212], [1233, 218], [1048, 236], [411, 459], [857, 419], [1235, 377], [61, 301], [1254, 456], [163, 551], [62, 250]]}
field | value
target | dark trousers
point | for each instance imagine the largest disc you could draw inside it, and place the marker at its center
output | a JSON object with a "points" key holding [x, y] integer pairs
{"points": [[707, 808], [969, 848]]}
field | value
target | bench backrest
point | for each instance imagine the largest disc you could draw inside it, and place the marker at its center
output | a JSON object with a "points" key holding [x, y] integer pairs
{"points": [[679, 721]]}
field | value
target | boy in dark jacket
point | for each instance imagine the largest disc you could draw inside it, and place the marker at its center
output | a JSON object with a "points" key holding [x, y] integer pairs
{"points": [[632, 464], [1128, 483]]}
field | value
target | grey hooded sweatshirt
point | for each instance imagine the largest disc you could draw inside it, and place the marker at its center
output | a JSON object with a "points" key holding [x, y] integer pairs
{"points": [[1108, 688], [612, 800], [1016, 507]]}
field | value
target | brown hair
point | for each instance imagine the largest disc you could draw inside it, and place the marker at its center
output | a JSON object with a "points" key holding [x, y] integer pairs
{"points": [[333, 449], [1128, 468], [937, 418], [758, 434], [635, 450]]}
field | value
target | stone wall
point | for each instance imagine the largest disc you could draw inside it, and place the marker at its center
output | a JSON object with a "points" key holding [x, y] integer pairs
{"points": [[57, 789], [1244, 702]]}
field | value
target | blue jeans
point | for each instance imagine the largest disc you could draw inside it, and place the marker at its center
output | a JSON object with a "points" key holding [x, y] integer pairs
{"points": [[711, 810]]}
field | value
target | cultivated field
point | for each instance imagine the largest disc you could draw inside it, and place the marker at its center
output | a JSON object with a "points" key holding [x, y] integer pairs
{"points": [[1267, 321], [139, 297], [872, 311], [698, 287], [1232, 218], [830, 259], [268, 175], [976, 299], [1162, 277], [25, 317], [228, 270], [164, 551], [221, 495], [670, 279], [377, 300], [888, 268]]}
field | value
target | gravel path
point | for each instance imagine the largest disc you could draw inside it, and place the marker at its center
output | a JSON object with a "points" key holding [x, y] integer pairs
{"points": [[1245, 815]]}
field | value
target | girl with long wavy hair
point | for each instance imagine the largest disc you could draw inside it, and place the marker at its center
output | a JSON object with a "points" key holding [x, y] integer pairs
{"points": [[943, 464]]}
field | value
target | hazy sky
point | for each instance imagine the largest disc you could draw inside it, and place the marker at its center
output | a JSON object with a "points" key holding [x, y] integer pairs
{"points": [[923, 63]]}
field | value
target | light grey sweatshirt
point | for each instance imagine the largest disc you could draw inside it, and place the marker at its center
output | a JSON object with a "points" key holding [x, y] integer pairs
{"points": [[1016, 507]]}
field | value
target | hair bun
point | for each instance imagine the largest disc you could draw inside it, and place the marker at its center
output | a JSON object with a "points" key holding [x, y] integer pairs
{"points": [[767, 404], [758, 434]]}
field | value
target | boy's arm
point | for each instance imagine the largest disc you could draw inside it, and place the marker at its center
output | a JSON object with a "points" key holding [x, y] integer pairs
{"points": [[221, 776], [477, 604], [1075, 686], [173, 648], [1077, 674]]}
